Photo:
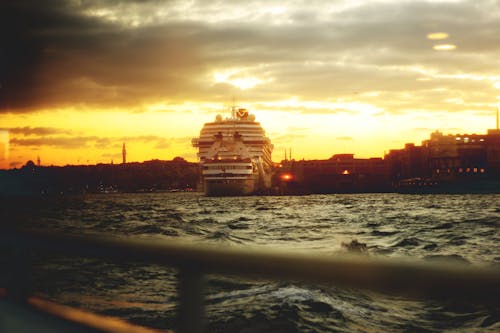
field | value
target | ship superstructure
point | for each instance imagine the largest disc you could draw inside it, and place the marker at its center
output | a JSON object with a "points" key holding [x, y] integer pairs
{"points": [[235, 155]]}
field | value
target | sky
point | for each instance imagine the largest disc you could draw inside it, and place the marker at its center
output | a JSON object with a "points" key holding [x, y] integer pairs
{"points": [[78, 78]]}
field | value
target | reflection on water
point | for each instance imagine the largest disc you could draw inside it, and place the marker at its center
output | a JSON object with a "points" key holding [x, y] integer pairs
{"points": [[456, 227]]}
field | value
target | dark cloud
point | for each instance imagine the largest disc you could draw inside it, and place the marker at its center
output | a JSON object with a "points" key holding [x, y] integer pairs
{"points": [[57, 53], [37, 131], [53, 54], [89, 141], [28, 30], [60, 142]]}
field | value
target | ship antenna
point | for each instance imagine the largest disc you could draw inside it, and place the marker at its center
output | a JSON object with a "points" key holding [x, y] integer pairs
{"points": [[233, 109]]}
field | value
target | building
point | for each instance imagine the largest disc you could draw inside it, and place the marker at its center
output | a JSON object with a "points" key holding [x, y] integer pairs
{"points": [[450, 163], [342, 173], [409, 162]]}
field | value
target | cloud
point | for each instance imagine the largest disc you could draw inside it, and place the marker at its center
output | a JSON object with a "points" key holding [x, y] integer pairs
{"points": [[37, 131], [56, 55], [79, 142], [163, 144], [286, 139], [128, 53], [345, 138], [117, 156], [61, 142]]}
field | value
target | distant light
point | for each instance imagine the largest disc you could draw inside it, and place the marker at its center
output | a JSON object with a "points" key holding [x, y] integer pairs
{"points": [[437, 35], [286, 177], [345, 172], [444, 47]]}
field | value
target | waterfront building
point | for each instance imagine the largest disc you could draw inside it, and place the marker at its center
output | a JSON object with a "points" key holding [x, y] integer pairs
{"points": [[448, 163], [340, 173]]}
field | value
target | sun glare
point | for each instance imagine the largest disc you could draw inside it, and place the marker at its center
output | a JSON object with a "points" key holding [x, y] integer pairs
{"points": [[237, 79], [437, 35], [444, 47]]}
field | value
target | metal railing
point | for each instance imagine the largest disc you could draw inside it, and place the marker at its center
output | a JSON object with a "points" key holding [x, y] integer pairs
{"points": [[415, 279]]}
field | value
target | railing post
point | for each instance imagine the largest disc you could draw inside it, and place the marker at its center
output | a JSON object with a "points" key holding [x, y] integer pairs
{"points": [[191, 314]]}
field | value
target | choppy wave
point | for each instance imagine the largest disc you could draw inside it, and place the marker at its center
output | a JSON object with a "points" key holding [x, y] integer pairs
{"points": [[432, 228]]}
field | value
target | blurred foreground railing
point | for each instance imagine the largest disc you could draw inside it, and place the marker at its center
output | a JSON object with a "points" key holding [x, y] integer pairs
{"points": [[422, 280]]}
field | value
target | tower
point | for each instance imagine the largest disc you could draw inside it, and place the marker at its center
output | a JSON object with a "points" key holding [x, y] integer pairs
{"points": [[498, 109], [124, 154], [496, 130]]}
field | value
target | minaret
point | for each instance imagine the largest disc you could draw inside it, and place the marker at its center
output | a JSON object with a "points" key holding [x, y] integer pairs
{"points": [[38, 162], [124, 154]]}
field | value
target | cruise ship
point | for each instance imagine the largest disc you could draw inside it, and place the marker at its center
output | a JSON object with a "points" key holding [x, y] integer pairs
{"points": [[235, 155]]}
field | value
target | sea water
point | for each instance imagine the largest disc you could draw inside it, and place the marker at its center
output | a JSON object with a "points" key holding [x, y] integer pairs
{"points": [[462, 228]]}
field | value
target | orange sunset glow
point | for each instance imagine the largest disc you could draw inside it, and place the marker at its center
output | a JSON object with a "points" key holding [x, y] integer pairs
{"points": [[78, 79]]}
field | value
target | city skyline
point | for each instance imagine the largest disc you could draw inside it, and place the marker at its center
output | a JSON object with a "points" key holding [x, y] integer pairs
{"points": [[79, 79]]}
